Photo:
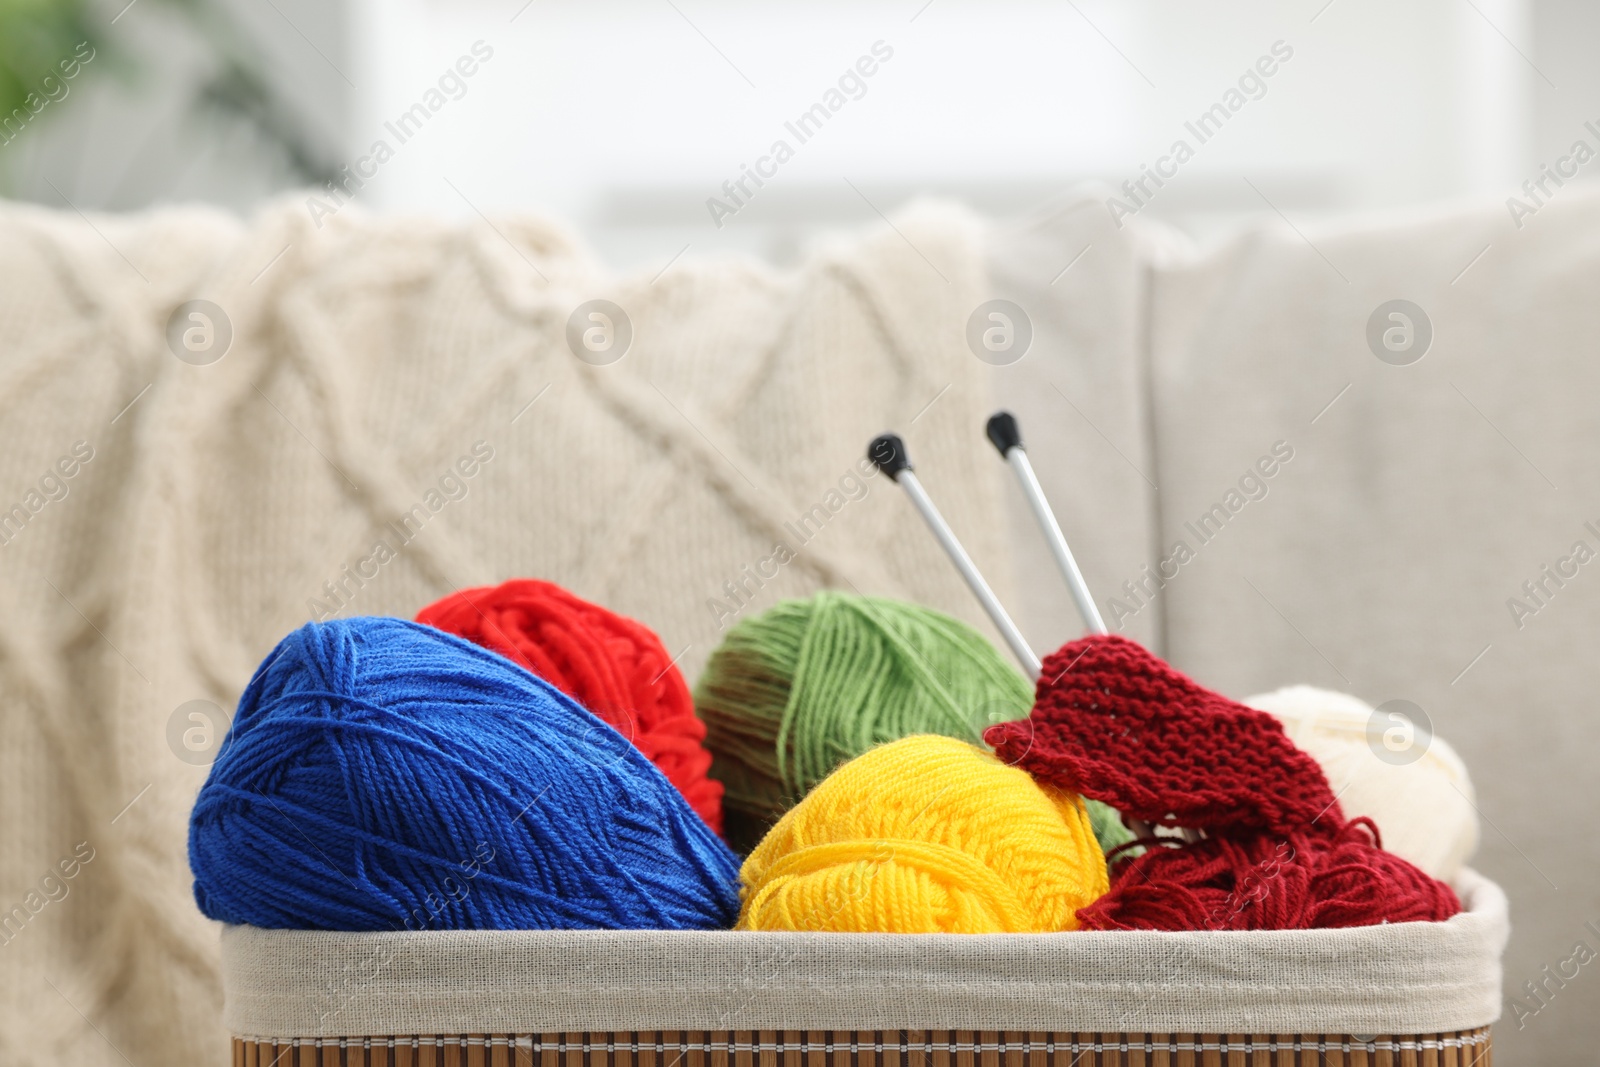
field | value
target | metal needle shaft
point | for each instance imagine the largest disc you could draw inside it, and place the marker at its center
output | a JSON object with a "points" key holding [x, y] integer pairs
{"points": [[1018, 459], [888, 452], [969, 571], [1007, 438]]}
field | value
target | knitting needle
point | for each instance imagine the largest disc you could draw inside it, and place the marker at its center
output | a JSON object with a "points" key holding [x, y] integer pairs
{"points": [[888, 452], [1006, 436]]}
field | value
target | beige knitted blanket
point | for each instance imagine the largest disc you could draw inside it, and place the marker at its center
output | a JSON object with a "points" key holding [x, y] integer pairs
{"points": [[164, 520]]}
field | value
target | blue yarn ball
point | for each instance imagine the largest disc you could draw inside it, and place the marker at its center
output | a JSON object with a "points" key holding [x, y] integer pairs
{"points": [[383, 775]]}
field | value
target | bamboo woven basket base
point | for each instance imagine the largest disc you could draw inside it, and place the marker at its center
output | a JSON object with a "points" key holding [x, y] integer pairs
{"points": [[868, 1048]]}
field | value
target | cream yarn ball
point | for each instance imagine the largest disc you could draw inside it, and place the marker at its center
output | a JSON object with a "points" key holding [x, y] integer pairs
{"points": [[1425, 810]]}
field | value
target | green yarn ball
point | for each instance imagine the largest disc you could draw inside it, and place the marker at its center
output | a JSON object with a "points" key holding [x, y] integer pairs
{"points": [[809, 684], [1109, 829]]}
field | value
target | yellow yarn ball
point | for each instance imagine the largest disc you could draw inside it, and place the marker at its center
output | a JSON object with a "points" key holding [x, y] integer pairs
{"points": [[926, 835]]}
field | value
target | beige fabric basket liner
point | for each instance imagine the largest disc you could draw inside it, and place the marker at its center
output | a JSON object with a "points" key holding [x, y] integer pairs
{"points": [[1401, 978]]}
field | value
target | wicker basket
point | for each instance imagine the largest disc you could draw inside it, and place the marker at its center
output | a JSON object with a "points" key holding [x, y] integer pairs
{"points": [[873, 1048], [1404, 994]]}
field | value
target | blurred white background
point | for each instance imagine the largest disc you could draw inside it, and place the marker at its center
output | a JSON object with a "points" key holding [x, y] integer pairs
{"points": [[1382, 106]]}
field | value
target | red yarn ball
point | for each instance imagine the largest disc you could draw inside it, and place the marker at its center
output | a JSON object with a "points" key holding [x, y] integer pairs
{"points": [[612, 665]]}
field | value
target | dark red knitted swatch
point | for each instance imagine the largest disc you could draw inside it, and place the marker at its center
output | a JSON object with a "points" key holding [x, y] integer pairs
{"points": [[1113, 722]]}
